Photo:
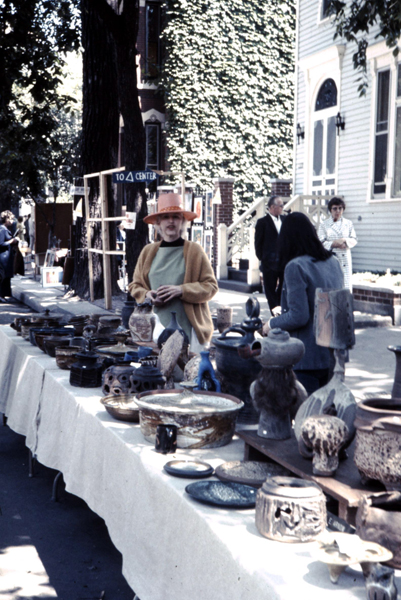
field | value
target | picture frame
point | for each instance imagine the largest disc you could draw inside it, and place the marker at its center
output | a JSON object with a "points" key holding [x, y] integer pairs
{"points": [[198, 209], [188, 201], [208, 244], [50, 258], [209, 209], [52, 276], [197, 234]]}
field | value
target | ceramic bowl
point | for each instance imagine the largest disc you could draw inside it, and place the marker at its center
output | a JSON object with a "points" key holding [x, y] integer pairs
{"points": [[65, 357], [204, 419], [122, 407], [51, 342]]}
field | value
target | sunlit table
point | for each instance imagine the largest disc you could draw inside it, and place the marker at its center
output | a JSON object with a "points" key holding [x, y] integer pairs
{"points": [[173, 548]]}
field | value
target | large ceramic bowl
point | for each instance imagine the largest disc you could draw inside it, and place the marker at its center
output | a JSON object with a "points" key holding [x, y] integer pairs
{"points": [[122, 407], [204, 419]]}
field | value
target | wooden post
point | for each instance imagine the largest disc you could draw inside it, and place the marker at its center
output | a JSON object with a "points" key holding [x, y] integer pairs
{"points": [[105, 242], [89, 238], [222, 269]]}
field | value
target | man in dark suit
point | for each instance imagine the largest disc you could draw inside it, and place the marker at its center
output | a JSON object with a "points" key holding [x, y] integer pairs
{"points": [[266, 246]]}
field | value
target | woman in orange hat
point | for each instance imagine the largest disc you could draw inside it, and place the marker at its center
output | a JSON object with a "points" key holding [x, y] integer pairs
{"points": [[175, 274]]}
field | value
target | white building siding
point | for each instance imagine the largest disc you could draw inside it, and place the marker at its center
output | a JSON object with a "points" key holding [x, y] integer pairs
{"points": [[377, 223]]}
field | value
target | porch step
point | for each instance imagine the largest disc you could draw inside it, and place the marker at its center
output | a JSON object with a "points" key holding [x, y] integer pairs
{"points": [[238, 286], [237, 274]]}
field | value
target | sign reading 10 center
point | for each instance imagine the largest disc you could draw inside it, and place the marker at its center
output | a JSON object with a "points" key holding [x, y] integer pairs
{"points": [[134, 176]]}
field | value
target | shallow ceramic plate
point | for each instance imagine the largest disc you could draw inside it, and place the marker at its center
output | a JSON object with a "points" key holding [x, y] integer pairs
{"points": [[192, 469], [226, 495], [250, 472]]}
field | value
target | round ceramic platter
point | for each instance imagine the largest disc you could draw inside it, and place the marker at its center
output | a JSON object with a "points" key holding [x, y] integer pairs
{"points": [[117, 349], [249, 472], [192, 469], [224, 495]]}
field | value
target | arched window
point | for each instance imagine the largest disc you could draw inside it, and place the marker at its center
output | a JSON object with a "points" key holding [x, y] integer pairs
{"points": [[327, 96]]}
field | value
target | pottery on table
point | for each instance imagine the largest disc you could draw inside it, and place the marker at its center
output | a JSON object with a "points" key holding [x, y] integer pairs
{"points": [[206, 378], [51, 342], [142, 322], [117, 380], [224, 318], [127, 310], [378, 441], [108, 325], [326, 435], [204, 419], [378, 519], [146, 378], [171, 328], [86, 371], [122, 407], [65, 357], [290, 510]]}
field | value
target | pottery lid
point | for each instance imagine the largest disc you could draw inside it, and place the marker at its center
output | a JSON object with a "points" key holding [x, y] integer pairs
{"points": [[291, 487]]}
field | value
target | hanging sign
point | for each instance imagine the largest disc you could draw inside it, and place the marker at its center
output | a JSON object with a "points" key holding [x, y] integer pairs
{"points": [[134, 176]]}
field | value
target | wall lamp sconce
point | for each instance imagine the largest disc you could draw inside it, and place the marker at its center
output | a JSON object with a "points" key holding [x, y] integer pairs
{"points": [[300, 132], [340, 123]]}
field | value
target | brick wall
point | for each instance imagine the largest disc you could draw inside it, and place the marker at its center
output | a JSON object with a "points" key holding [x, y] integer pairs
{"points": [[380, 301], [222, 213], [281, 187]]}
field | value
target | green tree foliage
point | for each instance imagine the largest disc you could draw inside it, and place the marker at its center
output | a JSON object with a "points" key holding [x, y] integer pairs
{"points": [[355, 20], [34, 34], [228, 82]]}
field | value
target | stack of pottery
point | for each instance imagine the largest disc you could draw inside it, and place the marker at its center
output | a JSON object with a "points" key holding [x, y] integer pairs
{"points": [[78, 322], [51, 342], [66, 356], [108, 325]]}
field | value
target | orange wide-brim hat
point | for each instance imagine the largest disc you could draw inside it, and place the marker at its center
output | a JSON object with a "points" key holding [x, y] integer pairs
{"points": [[169, 203]]}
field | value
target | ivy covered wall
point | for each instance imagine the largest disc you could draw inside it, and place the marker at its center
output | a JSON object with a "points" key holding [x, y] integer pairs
{"points": [[228, 83]]}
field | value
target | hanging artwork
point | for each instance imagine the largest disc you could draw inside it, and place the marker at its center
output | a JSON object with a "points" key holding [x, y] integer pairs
{"points": [[208, 244], [197, 234], [198, 209], [209, 208]]}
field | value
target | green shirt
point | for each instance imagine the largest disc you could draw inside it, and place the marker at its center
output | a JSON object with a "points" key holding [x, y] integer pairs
{"points": [[168, 268]]}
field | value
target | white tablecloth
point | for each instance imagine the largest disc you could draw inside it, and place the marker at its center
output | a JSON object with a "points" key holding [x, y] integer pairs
{"points": [[173, 547]]}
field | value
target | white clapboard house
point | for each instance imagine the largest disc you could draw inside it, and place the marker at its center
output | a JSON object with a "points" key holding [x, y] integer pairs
{"points": [[362, 161]]}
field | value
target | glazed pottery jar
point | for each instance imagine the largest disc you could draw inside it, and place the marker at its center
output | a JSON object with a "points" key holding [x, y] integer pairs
{"points": [[127, 310], [146, 378], [142, 322], [86, 371], [206, 379], [290, 510]]}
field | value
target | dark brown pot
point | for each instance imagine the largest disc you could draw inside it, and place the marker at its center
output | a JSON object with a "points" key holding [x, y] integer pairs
{"points": [[378, 519]]}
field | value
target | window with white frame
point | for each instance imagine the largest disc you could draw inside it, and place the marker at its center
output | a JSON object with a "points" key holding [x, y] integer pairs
{"points": [[325, 5], [385, 148]]}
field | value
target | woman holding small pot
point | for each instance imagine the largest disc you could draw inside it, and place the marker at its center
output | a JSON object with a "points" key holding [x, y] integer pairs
{"points": [[175, 274]]}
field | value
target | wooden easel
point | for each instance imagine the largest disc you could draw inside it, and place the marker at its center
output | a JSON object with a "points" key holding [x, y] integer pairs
{"points": [[104, 221]]}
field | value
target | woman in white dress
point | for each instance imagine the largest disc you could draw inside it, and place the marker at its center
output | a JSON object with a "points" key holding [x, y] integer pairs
{"points": [[338, 234]]}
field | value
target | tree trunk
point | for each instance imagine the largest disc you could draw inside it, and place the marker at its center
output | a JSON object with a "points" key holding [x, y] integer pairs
{"points": [[123, 28], [99, 141]]}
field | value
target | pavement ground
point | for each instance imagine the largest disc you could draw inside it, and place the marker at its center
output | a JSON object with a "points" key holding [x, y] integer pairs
{"points": [[62, 550]]}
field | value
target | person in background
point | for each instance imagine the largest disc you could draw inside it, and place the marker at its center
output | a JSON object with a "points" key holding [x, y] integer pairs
{"points": [[175, 274], [27, 230], [6, 254], [20, 230], [266, 244], [338, 234], [307, 265]]}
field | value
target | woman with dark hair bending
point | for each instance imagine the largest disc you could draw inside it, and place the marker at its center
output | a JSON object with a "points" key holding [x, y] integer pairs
{"points": [[307, 265]]}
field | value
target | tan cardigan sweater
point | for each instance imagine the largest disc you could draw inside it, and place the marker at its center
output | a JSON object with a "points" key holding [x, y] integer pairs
{"points": [[199, 285]]}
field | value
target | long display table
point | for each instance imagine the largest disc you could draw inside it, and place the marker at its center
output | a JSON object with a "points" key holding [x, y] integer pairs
{"points": [[173, 548]]}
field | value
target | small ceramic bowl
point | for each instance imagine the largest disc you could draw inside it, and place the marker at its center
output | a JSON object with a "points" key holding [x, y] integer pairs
{"points": [[65, 357], [51, 342]]}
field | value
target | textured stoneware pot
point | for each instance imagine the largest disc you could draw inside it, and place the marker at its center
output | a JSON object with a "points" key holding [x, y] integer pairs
{"points": [[142, 323], [378, 519], [224, 318], [117, 380], [290, 510], [378, 441], [278, 349]]}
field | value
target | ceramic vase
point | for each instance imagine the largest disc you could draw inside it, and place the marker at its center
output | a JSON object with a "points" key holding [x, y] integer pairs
{"points": [[142, 323], [206, 379], [127, 310]]}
